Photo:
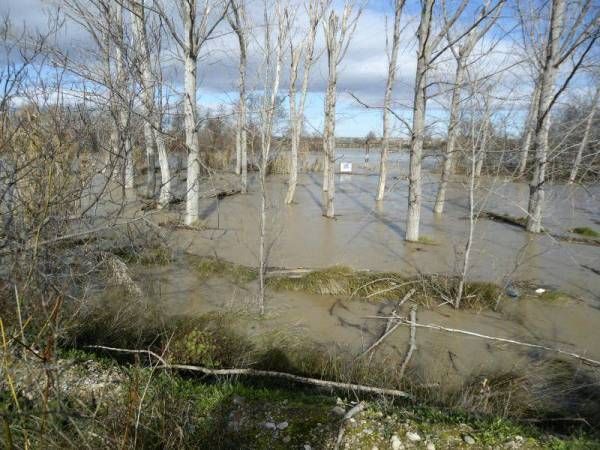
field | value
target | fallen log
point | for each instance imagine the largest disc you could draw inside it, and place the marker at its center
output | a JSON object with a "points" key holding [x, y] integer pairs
{"points": [[262, 373], [433, 326]]}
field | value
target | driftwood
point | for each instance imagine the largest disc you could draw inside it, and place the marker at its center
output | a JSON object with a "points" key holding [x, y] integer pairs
{"points": [[390, 326], [351, 413], [222, 194], [263, 373], [516, 222], [432, 326], [413, 340]]}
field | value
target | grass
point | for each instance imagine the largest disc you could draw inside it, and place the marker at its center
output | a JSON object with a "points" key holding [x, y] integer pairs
{"points": [[340, 280], [426, 240], [147, 255], [586, 231], [207, 267], [158, 409]]}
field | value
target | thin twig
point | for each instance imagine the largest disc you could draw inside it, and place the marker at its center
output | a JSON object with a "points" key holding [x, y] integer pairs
{"points": [[351, 413], [389, 328], [413, 340]]}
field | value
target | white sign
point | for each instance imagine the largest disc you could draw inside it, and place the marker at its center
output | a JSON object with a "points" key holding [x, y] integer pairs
{"points": [[346, 167]]}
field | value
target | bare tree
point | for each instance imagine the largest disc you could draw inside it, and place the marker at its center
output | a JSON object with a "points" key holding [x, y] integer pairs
{"points": [[273, 61], [123, 102], [198, 26], [461, 56], [305, 48], [152, 122], [529, 128], [425, 57], [387, 99], [560, 44], [338, 33], [586, 135], [239, 23]]}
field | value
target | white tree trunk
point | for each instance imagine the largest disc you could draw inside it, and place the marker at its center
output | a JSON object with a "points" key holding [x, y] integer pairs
{"points": [[529, 129], [548, 75], [191, 141], [586, 137], [123, 95], [387, 100], [418, 127], [152, 125], [449, 155]]}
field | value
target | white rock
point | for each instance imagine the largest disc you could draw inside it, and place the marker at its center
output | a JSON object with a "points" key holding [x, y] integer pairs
{"points": [[282, 425], [307, 447], [413, 437], [338, 410], [540, 291], [468, 439], [270, 426], [396, 443], [374, 448], [430, 446]]}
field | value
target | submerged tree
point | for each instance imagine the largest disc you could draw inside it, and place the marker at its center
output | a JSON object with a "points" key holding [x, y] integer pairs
{"points": [[461, 52], [338, 33], [306, 48], [561, 42], [387, 99], [239, 22], [198, 26]]}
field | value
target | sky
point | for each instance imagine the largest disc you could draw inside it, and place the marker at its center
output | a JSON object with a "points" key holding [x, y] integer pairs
{"points": [[363, 71]]}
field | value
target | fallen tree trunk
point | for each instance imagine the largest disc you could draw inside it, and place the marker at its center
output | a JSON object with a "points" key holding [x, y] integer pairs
{"points": [[263, 373], [433, 326]]}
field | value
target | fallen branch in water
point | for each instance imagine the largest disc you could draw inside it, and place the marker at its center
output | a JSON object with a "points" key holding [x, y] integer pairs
{"points": [[263, 373], [413, 340], [432, 326], [351, 413], [389, 328]]}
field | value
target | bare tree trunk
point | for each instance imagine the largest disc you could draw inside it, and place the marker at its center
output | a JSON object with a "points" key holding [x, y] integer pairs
{"points": [[123, 94], [272, 78], [529, 129], [387, 100], [152, 126], [482, 147], [239, 24], [586, 137], [295, 123], [338, 34], [548, 75], [418, 126], [296, 119], [440, 199]]}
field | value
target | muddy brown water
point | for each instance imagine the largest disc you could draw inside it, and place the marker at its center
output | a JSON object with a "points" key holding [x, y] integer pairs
{"points": [[368, 235]]}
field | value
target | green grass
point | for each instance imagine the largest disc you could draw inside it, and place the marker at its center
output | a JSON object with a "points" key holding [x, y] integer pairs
{"points": [[426, 240], [586, 231]]}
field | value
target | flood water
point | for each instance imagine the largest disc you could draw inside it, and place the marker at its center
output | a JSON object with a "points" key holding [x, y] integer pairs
{"points": [[368, 235]]}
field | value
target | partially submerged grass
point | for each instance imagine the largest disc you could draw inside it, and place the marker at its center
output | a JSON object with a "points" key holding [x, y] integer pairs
{"points": [[147, 255], [430, 290], [207, 267], [586, 231], [426, 240], [520, 222]]}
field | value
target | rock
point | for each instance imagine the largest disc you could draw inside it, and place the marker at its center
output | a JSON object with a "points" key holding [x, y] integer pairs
{"points": [[287, 439], [374, 448], [396, 443], [269, 426], [540, 291], [469, 440], [338, 410], [307, 447], [430, 446], [512, 291], [282, 425], [413, 436]]}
